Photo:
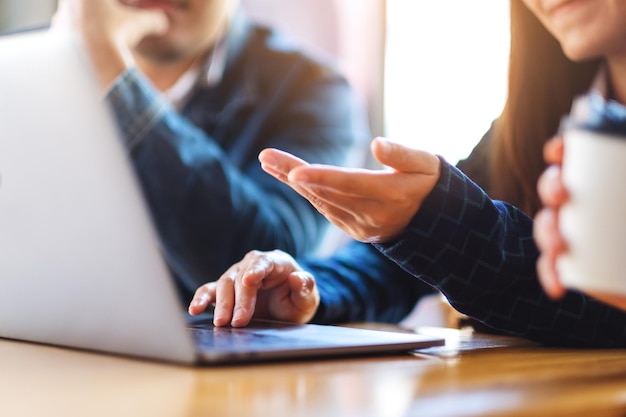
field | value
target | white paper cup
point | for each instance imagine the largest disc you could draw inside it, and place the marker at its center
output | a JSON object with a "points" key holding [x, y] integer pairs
{"points": [[593, 222]]}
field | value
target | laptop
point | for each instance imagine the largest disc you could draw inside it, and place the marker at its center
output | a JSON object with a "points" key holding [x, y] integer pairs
{"points": [[80, 261]]}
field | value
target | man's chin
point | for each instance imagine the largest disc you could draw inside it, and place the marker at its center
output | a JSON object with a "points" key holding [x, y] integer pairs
{"points": [[165, 5], [155, 48]]}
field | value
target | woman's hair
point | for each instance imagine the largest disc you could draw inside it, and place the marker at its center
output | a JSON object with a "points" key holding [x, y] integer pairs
{"points": [[542, 85]]}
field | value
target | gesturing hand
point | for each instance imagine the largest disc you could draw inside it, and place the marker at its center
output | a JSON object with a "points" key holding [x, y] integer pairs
{"points": [[369, 205]]}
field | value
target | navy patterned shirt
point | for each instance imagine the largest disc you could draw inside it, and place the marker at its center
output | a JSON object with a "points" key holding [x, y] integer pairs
{"points": [[480, 254]]}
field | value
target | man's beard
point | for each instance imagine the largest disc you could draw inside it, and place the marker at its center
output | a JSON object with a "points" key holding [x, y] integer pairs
{"points": [[156, 50], [183, 4]]}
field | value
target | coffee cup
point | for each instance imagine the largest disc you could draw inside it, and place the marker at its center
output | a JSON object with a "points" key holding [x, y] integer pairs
{"points": [[593, 221]]}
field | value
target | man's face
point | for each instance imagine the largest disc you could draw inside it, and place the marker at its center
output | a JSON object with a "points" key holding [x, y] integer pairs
{"points": [[195, 26]]}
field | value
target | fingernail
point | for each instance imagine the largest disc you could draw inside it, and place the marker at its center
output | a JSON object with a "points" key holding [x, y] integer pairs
{"points": [[197, 301], [384, 143], [306, 289], [269, 160]]}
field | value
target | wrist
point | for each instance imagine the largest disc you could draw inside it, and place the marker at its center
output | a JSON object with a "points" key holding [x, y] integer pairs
{"points": [[108, 60]]}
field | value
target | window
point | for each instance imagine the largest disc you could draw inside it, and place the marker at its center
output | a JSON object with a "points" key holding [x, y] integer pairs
{"points": [[19, 14], [446, 72]]}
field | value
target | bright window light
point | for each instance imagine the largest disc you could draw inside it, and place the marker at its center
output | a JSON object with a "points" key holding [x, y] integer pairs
{"points": [[446, 71]]}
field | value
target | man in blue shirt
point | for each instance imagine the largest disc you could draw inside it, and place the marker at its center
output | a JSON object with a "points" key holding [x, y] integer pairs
{"points": [[198, 92]]}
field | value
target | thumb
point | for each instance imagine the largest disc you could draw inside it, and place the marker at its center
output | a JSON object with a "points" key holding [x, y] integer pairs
{"points": [[402, 158]]}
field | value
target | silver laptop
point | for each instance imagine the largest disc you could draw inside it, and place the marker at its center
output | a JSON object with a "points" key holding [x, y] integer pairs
{"points": [[80, 263]]}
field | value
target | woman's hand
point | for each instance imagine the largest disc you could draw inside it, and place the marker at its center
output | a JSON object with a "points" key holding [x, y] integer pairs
{"points": [[546, 226], [369, 205], [553, 194], [269, 285]]}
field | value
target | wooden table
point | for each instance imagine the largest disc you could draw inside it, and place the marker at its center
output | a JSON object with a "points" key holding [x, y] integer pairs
{"points": [[474, 375]]}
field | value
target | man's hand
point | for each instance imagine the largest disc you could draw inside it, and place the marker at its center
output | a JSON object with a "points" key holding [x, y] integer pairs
{"points": [[269, 285], [110, 30]]}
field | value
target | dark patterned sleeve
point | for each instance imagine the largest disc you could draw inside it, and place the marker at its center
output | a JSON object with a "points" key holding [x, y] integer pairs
{"points": [[358, 283], [481, 255]]}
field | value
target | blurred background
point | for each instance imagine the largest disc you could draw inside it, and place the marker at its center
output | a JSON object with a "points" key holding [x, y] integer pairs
{"points": [[432, 73], [15, 14]]}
